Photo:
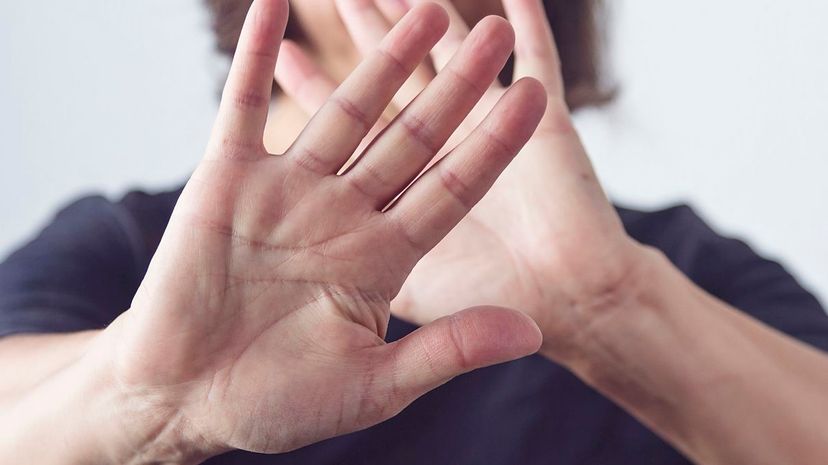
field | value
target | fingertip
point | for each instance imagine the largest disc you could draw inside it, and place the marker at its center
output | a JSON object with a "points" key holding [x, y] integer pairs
{"points": [[274, 6], [491, 41], [456, 344], [498, 27], [263, 29], [531, 332], [535, 94], [273, 13], [431, 15], [289, 60], [495, 335], [533, 85], [519, 112]]}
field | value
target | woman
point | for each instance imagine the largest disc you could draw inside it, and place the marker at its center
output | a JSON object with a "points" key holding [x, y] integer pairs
{"points": [[261, 322]]}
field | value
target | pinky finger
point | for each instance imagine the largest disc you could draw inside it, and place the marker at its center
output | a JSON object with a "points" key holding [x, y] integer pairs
{"points": [[302, 79], [436, 202]]}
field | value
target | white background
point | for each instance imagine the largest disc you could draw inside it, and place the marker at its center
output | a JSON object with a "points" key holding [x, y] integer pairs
{"points": [[723, 105]]}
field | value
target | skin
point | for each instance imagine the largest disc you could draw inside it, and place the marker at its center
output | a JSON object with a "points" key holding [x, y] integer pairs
{"points": [[721, 387], [492, 257], [271, 289]]}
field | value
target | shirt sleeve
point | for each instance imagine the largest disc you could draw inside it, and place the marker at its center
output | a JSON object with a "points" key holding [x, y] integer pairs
{"points": [[80, 272], [734, 272]]}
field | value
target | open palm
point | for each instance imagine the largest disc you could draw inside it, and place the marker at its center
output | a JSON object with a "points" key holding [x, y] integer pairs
{"points": [[545, 239], [260, 322]]}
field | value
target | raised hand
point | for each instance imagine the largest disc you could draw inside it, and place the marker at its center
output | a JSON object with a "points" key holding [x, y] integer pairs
{"points": [[260, 322], [545, 239]]}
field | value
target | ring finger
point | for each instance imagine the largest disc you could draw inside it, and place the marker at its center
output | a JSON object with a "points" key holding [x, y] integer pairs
{"points": [[423, 128]]}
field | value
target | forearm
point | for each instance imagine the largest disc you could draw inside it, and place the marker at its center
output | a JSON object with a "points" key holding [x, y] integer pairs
{"points": [[35, 357], [721, 387], [79, 414]]}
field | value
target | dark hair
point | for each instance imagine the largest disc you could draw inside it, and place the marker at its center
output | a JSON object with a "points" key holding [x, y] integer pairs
{"points": [[578, 27]]}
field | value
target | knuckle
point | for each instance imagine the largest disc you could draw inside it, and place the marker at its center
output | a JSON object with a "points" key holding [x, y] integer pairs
{"points": [[262, 52], [310, 160], [457, 188], [234, 148], [393, 65], [420, 132], [460, 79], [352, 110], [250, 100], [498, 148], [367, 180]]}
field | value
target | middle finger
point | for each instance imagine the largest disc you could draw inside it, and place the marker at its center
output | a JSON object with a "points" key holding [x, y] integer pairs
{"points": [[421, 130], [458, 30], [338, 128]]}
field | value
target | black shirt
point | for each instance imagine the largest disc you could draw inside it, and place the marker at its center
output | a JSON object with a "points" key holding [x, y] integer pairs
{"points": [[83, 269]]}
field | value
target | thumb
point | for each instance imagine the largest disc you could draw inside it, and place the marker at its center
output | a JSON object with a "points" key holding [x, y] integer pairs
{"points": [[451, 346]]}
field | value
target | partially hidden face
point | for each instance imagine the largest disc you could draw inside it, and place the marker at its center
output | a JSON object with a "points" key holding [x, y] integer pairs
{"points": [[471, 10]]}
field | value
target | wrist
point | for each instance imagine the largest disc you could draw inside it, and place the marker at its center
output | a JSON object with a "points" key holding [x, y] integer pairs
{"points": [[596, 305], [152, 428], [83, 415], [636, 345], [658, 343], [693, 369]]}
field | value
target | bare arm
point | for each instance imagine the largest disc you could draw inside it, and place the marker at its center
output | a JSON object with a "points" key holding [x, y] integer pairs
{"points": [[269, 294], [35, 357], [719, 385], [65, 406]]}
